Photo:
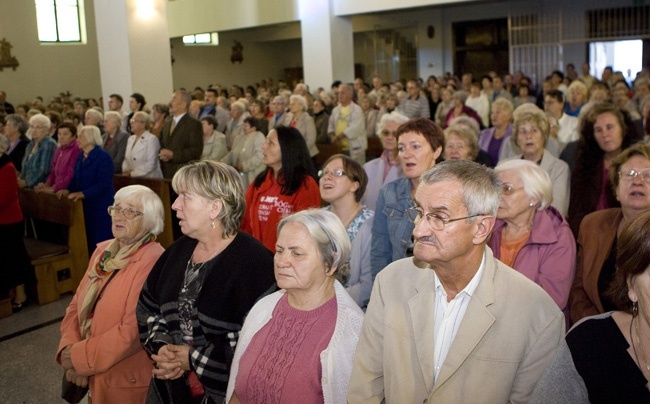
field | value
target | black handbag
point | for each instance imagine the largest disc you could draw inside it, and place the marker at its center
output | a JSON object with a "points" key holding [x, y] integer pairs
{"points": [[70, 392]]}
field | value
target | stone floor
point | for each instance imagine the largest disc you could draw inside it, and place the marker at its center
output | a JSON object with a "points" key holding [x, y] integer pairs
{"points": [[28, 342]]}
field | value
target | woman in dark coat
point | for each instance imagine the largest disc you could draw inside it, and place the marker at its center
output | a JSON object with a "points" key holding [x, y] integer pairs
{"points": [[93, 183]]}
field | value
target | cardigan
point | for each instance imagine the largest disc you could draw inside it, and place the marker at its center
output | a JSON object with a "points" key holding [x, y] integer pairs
{"points": [[247, 152], [237, 277], [336, 360], [595, 239], [65, 158], [118, 367], [307, 128], [37, 167]]}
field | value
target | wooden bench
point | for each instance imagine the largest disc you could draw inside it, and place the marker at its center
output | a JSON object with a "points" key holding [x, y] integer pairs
{"points": [[162, 188], [58, 267]]}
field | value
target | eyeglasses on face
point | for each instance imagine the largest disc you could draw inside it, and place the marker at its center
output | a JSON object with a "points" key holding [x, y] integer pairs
{"points": [[508, 189], [128, 213], [436, 222], [334, 173], [631, 174]]}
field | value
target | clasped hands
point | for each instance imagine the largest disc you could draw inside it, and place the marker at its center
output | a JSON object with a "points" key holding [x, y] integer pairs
{"points": [[172, 361], [70, 373]]}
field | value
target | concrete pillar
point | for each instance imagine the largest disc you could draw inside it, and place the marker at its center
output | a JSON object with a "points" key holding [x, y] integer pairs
{"points": [[133, 47], [327, 44]]}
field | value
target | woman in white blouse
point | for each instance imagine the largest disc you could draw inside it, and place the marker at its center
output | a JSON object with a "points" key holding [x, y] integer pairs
{"points": [[142, 148], [214, 142]]}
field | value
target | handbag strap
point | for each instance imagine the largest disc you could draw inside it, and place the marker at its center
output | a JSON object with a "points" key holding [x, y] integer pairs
{"points": [[101, 291]]}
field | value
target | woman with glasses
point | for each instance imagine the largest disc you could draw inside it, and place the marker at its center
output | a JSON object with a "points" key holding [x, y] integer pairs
{"points": [[342, 184], [419, 144], [287, 185], [385, 168], [530, 235], [37, 161], [92, 182], [141, 159], [629, 175], [193, 303], [99, 345]]}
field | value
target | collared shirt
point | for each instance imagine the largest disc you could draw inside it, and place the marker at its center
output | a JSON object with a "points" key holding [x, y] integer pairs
{"points": [[449, 315], [177, 118]]}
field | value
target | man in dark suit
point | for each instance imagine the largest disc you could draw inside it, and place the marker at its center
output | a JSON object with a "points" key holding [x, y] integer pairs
{"points": [[181, 140]]}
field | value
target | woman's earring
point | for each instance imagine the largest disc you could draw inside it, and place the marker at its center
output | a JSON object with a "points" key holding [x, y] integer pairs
{"points": [[635, 309], [213, 225], [531, 204]]}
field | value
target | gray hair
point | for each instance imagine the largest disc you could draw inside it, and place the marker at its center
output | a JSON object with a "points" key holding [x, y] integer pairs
{"points": [[481, 185], [146, 118], [280, 99], [529, 113], [153, 219], [99, 117], [239, 106], [215, 181], [394, 116], [537, 182], [459, 95], [465, 133], [115, 117], [468, 122], [92, 134], [300, 100], [504, 104], [329, 235], [41, 120], [185, 97], [19, 122]]}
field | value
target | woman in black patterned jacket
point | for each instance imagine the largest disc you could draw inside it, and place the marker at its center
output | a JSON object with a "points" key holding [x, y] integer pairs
{"points": [[193, 303]]}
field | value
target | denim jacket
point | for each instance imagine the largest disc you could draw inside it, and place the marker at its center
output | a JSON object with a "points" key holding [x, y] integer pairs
{"points": [[392, 229]]}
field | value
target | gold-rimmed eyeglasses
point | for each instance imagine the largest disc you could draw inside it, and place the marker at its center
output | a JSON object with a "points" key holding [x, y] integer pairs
{"points": [[128, 213]]}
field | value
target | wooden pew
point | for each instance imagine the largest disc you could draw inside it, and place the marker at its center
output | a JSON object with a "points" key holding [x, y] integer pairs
{"points": [[58, 267], [162, 188]]}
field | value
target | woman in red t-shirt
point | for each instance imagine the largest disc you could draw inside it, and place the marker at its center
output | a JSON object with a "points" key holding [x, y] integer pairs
{"points": [[287, 185]]}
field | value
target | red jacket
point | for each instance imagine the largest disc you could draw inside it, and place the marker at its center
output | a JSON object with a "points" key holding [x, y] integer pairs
{"points": [[266, 206], [9, 205]]}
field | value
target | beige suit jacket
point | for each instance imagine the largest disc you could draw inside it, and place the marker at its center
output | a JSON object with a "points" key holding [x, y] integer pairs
{"points": [[508, 337]]}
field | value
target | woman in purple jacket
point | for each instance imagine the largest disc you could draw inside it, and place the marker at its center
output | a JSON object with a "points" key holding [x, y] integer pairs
{"points": [[530, 235]]}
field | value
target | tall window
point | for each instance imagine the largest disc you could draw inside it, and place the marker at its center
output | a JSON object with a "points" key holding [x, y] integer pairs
{"points": [[58, 20]]}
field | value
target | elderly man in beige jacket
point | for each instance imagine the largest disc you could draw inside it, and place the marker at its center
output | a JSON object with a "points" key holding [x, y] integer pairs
{"points": [[453, 324]]}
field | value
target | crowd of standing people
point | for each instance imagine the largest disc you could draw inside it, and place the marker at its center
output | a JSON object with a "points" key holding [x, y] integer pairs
{"points": [[497, 215]]}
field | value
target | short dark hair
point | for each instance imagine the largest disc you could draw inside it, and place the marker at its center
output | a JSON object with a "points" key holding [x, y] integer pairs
{"points": [[211, 120], [117, 97], [139, 98], [558, 73], [556, 94], [425, 127], [253, 122], [354, 171], [213, 91], [632, 259], [70, 126]]}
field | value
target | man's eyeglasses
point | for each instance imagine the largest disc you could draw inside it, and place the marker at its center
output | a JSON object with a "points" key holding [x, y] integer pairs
{"points": [[128, 213], [436, 222]]}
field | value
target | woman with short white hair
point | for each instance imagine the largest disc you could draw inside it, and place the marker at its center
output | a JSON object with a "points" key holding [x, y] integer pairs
{"points": [[235, 126], [92, 182], [115, 139], [37, 161], [530, 235], [301, 120]]}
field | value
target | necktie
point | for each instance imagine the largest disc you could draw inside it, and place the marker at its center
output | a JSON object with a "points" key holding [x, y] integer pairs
{"points": [[171, 129]]}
